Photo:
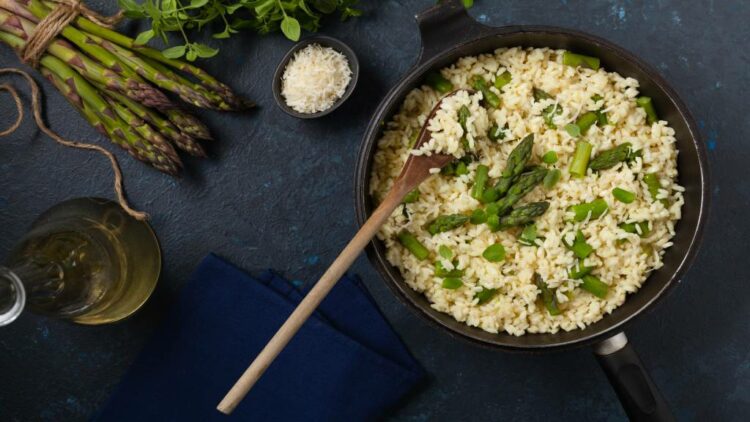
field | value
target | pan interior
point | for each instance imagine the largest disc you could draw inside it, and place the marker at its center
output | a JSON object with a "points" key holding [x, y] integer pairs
{"points": [[691, 166]]}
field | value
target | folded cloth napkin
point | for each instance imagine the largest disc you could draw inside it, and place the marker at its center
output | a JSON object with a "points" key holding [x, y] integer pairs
{"points": [[345, 363]]}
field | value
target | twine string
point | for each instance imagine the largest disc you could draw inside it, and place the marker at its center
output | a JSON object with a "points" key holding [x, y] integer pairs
{"points": [[49, 27], [37, 113]]}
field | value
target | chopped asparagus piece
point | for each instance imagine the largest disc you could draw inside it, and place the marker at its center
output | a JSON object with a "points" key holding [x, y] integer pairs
{"points": [[624, 196], [445, 252], [594, 286], [550, 157], [528, 235], [437, 81], [445, 223], [410, 242], [592, 210], [503, 79], [548, 295], [579, 270], [490, 98], [485, 295], [580, 161], [480, 180], [640, 228], [575, 60], [411, 197], [648, 106], [452, 283], [551, 179]]}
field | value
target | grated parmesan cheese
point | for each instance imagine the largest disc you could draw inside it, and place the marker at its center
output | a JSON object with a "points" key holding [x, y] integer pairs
{"points": [[315, 79]]}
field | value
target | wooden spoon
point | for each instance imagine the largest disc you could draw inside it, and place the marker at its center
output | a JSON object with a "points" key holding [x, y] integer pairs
{"points": [[415, 171]]}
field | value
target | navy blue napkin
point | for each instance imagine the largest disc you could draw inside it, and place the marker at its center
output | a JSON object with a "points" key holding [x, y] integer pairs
{"points": [[345, 364]]}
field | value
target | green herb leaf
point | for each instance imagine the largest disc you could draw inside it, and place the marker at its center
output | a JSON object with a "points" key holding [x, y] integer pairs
{"points": [[144, 37], [325, 6], [290, 27], [175, 52], [203, 51], [187, 17]]}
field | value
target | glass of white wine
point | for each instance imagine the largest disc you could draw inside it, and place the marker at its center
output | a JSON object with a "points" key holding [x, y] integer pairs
{"points": [[84, 260]]}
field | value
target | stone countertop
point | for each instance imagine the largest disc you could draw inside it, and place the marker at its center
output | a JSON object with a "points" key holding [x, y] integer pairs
{"points": [[277, 192]]}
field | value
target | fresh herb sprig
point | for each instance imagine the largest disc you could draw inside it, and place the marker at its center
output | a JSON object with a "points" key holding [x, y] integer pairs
{"points": [[229, 16]]}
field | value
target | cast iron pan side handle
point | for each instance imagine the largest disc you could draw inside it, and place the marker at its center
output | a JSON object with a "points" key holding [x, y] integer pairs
{"points": [[446, 25], [638, 394]]}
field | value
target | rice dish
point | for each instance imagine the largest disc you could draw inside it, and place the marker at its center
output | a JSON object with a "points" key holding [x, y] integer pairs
{"points": [[513, 291]]}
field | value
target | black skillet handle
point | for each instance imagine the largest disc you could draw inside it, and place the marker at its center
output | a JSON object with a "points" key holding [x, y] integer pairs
{"points": [[446, 25], [638, 394]]}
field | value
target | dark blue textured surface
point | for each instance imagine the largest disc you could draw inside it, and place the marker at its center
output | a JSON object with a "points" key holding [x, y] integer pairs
{"points": [[345, 363], [278, 193]]}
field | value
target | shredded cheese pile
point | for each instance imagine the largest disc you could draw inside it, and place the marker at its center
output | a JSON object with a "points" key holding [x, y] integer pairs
{"points": [[315, 79]]}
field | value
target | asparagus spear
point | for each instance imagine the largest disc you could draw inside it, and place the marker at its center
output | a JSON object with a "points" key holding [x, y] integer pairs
{"points": [[88, 68], [183, 141], [160, 157], [609, 158], [525, 184], [208, 81], [188, 123], [13, 35], [128, 64], [142, 128], [523, 215], [517, 159], [75, 91]]}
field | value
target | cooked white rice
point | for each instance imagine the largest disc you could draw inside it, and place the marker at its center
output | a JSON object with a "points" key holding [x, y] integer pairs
{"points": [[624, 266]]}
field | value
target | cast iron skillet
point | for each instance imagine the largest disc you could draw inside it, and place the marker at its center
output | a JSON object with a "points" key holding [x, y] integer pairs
{"points": [[448, 33]]}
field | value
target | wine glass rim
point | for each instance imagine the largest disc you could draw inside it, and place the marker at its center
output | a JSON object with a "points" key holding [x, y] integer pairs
{"points": [[11, 314]]}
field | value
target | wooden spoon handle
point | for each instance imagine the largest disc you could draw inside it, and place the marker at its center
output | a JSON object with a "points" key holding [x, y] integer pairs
{"points": [[311, 301]]}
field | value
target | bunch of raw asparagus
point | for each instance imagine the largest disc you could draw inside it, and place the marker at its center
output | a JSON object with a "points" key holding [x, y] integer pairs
{"points": [[122, 88]]}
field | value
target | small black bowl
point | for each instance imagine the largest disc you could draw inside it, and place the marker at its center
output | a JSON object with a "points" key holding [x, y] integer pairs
{"points": [[325, 42]]}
